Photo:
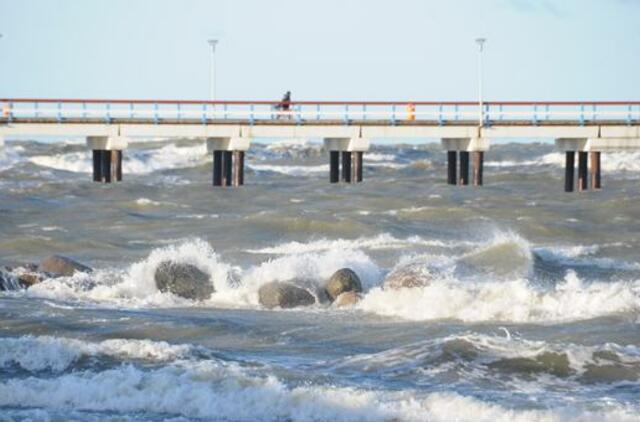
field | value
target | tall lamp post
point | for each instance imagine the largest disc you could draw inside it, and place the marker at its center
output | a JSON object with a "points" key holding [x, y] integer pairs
{"points": [[212, 69], [480, 42]]}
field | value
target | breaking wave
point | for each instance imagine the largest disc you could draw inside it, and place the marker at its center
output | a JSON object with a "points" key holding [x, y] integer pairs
{"points": [[135, 161]]}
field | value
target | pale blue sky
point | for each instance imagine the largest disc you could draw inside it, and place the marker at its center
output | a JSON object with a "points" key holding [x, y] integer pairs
{"points": [[321, 49]]}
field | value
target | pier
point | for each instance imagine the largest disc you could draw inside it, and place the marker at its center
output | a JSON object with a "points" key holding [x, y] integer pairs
{"points": [[582, 130]]}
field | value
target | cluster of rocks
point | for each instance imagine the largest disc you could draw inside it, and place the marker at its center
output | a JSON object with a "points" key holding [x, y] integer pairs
{"points": [[188, 281], [343, 288], [26, 275]]}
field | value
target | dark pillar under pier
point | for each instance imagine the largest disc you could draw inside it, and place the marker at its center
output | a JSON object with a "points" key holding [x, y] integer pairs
{"points": [[217, 168], [238, 168], [478, 167], [356, 160], [464, 168], [596, 177], [583, 173], [116, 164], [97, 165], [334, 166], [346, 166], [227, 167], [569, 169], [106, 166], [452, 158]]}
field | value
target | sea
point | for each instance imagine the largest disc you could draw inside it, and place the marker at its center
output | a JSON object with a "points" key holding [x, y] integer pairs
{"points": [[530, 311]]}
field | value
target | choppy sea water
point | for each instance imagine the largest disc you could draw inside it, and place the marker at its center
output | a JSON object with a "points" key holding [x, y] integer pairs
{"points": [[533, 312]]}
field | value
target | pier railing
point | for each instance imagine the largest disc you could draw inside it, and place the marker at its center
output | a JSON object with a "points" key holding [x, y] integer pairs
{"points": [[317, 112]]}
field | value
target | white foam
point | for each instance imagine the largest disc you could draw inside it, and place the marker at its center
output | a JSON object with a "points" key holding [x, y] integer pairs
{"points": [[610, 162], [582, 256], [509, 301], [135, 161], [57, 354], [290, 170], [10, 156], [383, 241], [212, 390], [373, 156]]}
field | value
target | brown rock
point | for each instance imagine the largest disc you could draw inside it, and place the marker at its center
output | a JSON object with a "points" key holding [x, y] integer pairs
{"points": [[347, 299], [408, 276], [62, 266], [343, 280], [284, 295]]}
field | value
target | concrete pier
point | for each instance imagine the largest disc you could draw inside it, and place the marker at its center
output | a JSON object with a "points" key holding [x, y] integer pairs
{"points": [[478, 167], [596, 178], [582, 171], [351, 152], [569, 170], [228, 159], [464, 148], [107, 157], [452, 164]]}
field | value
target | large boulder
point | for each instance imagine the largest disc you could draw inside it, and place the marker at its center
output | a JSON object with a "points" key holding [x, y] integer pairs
{"points": [[407, 276], [343, 280], [284, 295], [183, 280], [62, 266]]}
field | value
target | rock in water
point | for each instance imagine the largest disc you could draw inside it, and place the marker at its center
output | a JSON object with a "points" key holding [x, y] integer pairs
{"points": [[411, 275], [183, 280], [284, 295], [347, 299], [62, 266], [343, 280]]}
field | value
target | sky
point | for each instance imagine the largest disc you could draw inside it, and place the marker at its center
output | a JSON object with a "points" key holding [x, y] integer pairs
{"points": [[321, 49]]}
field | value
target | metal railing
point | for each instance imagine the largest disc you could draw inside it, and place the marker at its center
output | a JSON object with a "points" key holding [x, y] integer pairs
{"points": [[310, 112]]}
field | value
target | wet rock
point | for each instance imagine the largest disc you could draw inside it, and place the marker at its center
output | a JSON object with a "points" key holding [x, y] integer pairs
{"points": [[31, 278], [343, 280], [8, 281], [347, 299], [284, 295], [62, 266], [408, 276], [183, 280]]}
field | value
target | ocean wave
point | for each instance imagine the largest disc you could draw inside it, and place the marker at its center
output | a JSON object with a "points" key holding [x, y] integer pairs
{"points": [[58, 354], [508, 301], [139, 161], [610, 162], [211, 389], [290, 170], [384, 241], [483, 356], [10, 156]]}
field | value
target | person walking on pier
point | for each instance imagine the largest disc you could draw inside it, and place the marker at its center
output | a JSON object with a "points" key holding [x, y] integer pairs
{"points": [[284, 104]]}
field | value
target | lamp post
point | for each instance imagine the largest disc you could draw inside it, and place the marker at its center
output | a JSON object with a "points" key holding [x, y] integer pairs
{"points": [[212, 70], [480, 42]]}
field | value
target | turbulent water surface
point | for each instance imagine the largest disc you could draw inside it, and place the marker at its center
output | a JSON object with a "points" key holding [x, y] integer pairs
{"points": [[532, 311]]}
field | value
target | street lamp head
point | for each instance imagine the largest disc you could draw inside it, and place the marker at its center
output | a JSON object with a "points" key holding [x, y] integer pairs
{"points": [[480, 42], [212, 42]]}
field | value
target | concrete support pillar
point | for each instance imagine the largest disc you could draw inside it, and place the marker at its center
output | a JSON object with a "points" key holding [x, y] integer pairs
{"points": [[356, 161], [107, 157], [596, 179], [346, 166], [350, 151], [478, 167], [464, 168], [334, 166], [227, 167], [452, 167], [582, 171], [463, 148], [228, 160], [238, 168], [217, 168], [569, 170]]}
